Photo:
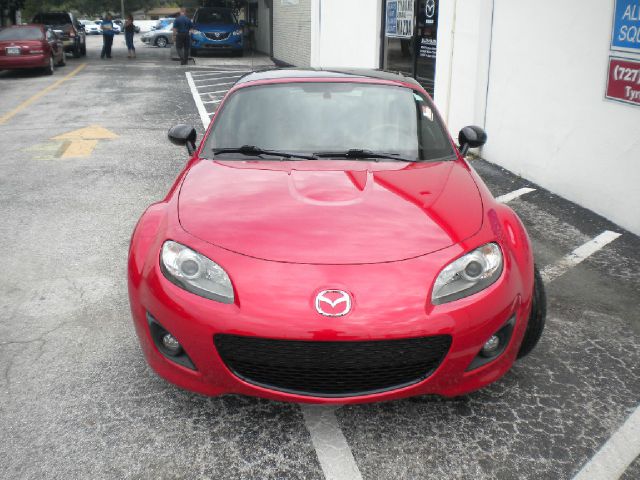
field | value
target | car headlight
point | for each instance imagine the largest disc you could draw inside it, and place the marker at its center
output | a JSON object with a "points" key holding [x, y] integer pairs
{"points": [[195, 273], [196, 32], [237, 32], [468, 274]]}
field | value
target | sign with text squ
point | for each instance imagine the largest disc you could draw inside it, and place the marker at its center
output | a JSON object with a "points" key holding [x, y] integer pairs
{"points": [[626, 26]]}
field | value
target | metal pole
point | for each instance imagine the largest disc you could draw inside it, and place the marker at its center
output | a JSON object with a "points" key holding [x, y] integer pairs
{"points": [[122, 9]]}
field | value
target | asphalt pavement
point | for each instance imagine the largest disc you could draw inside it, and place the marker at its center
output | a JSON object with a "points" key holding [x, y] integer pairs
{"points": [[81, 162]]}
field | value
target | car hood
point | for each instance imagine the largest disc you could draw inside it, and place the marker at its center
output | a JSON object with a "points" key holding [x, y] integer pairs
{"points": [[330, 212]]}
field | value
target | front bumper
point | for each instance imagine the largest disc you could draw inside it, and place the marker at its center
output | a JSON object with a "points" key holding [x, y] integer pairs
{"points": [[275, 301], [231, 43]]}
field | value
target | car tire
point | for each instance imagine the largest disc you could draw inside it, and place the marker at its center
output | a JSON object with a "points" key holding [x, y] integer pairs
{"points": [[161, 42], [240, 53], [193, 52], [48, 70], [537, 317]]}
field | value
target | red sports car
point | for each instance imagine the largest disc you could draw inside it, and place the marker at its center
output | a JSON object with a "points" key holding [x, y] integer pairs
{"points": [[327, 242], [30, 46]]}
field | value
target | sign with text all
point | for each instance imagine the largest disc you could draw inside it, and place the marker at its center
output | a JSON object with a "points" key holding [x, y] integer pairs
{"points": [[626, 26], [623, 84], [399, 22]]}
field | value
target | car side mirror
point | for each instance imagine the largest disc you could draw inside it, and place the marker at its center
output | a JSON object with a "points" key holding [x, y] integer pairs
{"points": [[183, 135], [471, 137]]}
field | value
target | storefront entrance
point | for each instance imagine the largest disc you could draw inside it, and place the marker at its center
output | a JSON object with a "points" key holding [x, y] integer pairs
{"points": [[409, 45]]}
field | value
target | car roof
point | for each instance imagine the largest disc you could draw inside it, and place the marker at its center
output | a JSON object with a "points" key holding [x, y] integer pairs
{"points": [[292, 73]]}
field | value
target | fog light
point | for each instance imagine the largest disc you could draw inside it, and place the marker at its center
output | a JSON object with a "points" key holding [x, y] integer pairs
{"points": [[171, 344], [491, 347]]}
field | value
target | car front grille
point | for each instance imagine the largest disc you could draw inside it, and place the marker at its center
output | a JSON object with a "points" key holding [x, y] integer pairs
{"points": [[332, 369], [217, 35]]}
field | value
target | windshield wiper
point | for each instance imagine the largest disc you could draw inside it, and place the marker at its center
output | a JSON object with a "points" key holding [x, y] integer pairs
{"points": [[362, 154], [252, 150]]}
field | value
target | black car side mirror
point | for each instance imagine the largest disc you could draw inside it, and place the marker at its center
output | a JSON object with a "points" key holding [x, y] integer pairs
{"points": [[471, 137], [183, 135]]}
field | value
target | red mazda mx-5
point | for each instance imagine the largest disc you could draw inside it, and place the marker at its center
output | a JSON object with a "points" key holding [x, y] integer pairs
{"points": [[327, 242]]}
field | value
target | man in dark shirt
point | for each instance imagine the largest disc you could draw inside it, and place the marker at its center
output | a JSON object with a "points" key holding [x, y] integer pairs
{"points": [[107, 36], [181, 29]]}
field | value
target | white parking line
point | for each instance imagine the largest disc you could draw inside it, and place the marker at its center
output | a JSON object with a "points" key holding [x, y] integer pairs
{"points": [[212, 101], [515, 194], [334, 454], [215, 85], [196, 98], [218, 78], [616, 454], [219, 91], [551, 272], [218, 72]]}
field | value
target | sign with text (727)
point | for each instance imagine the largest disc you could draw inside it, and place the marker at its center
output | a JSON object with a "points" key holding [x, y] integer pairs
{"points": [[623, 84], [626, 26], [399, 21]]}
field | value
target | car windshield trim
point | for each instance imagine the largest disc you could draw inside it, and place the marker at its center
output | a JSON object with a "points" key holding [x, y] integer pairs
{"points": [[365, 121], [363, 154], [253, 151]]}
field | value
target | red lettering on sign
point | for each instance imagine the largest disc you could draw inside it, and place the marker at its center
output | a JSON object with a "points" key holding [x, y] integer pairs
{"points": [[624, 80]]}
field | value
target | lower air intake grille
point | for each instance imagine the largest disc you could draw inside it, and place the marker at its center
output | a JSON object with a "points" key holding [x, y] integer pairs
{"points": [[332, 369]]}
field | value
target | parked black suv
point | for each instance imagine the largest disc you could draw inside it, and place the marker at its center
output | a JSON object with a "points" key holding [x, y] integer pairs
{"points": [[73, 34]]}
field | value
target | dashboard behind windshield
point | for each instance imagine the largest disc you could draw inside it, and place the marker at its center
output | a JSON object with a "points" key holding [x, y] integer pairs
{"points": [[309, 117]]}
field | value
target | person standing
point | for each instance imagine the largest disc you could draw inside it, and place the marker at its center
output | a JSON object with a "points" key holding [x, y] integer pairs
{"points": [[129, 31], [107, 36], [182, 27]]}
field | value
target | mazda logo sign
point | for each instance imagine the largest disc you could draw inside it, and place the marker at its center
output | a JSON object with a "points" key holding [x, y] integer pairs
{"points": [[333, 303], [430, 8]]}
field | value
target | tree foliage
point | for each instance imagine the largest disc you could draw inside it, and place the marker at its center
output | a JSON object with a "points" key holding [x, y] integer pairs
{"points": [[90, 8]]}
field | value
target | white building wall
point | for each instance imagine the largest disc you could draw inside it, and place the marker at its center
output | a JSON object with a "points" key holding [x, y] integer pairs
{"points": [[262, 33], [292, 31], [546, 116], [347, 34]]}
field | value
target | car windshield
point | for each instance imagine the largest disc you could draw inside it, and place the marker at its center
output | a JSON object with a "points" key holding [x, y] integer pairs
{"points": [[340, 120], [52, 18], [205, 15], [29, 33]]}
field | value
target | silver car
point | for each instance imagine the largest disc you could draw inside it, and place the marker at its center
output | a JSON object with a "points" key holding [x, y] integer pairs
{"points": [[159, 38]]}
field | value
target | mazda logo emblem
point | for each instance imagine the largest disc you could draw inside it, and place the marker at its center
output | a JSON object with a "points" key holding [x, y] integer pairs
{"points": [[430, 8], [333, 303]]}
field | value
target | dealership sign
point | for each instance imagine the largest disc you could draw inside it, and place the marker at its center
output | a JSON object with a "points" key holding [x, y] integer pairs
{"points": [[623, 84], [399, 21], [626, 26]]}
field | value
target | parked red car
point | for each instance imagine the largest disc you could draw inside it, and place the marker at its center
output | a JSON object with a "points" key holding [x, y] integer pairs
{"points": [[328, 242], [30, 46]]}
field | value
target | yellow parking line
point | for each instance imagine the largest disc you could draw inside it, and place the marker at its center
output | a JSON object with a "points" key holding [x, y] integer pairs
{"points": [[40, 94]]}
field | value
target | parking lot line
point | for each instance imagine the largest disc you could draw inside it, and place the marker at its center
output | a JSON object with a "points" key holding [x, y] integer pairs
{"points": [[41, 93], [551, 272], [217, 78], [196, 98], [219, 91], [214, 85], [334, 454], [220, 72], [616, 454], [212, 101], [515, 194]]}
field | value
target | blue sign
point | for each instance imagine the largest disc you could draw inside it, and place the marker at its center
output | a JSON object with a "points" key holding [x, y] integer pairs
{"points": [[399, 21], [626, 26], [392, 16]]}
